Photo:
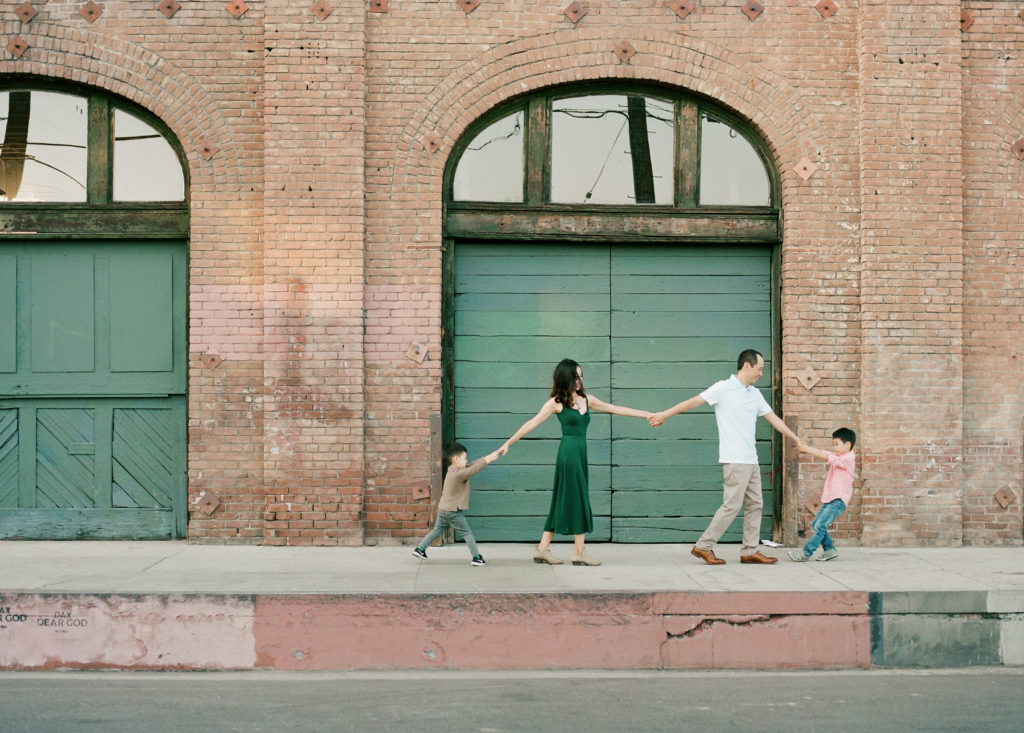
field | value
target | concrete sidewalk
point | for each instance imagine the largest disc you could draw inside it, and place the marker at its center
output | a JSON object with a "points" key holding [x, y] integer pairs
{"points": [[175, 606], [178, 567]]}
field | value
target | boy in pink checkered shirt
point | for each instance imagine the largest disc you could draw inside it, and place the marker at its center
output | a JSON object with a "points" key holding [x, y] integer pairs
{"points": [[834, 497]]}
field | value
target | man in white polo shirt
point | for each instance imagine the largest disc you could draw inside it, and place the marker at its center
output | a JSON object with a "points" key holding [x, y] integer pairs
{"points": [[738, 404]]}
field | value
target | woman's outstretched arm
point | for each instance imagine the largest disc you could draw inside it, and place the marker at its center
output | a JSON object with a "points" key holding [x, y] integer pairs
{"points": [[545, 412], [602, 406]]}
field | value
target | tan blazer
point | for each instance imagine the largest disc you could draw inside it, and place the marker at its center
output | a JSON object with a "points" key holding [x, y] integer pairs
{"points": [[455, 492]]}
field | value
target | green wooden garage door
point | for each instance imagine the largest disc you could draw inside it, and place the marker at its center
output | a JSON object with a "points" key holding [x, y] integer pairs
{"points": [[92, 390], [651, 326]]}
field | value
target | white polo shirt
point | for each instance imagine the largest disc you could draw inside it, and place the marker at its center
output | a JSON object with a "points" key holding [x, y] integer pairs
{"points": [[736, 411]]}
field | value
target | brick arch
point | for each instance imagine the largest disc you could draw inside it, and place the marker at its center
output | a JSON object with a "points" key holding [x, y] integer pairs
{"points": [[145, 78], [1008, 167], [774, 108]]}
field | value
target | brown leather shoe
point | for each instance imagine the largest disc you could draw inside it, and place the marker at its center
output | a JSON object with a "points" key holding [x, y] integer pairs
{"points": [[758, 558], [707, 556]]}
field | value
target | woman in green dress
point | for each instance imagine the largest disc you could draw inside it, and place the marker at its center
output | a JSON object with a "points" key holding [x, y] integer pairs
{"points": [[570, 498]]}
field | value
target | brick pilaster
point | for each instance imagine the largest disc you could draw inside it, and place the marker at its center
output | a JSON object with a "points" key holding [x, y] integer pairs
{"points": [[912, 269], [313, 402]]}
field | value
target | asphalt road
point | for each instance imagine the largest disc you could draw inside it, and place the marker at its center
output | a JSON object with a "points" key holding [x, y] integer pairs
{"points": [[786, 702]]}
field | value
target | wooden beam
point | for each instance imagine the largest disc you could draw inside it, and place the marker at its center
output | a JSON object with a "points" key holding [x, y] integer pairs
{"points": [[617, 226], [87, 222]]}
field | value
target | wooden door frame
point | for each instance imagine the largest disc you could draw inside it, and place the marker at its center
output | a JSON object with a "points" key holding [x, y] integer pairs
{"points": [[683, 222], [101, 218]]}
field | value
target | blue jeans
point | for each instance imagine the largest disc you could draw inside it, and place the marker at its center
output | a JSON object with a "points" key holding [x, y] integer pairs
{"points": [[457, 521], [825, 516]]}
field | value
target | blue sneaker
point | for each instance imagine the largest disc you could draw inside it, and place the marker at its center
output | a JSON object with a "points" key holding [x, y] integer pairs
{"points": [[798, 556], [418, 552], [477, 561], [829, 555]]}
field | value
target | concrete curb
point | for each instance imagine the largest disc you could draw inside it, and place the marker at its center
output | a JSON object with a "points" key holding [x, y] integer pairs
{"points": [[486, 631]]}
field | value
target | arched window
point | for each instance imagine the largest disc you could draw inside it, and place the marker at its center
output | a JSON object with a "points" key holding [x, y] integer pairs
{"points": [[55, 146], [612, 149]]}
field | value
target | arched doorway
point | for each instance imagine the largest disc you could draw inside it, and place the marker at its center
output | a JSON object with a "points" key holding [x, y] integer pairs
{"points": [[636, 230], [93, 270]]}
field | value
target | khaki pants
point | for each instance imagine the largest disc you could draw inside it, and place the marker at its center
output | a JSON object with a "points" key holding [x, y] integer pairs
{"points": [[742, 487]]}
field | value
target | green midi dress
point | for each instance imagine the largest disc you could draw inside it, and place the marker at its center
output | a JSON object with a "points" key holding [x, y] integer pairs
{"points": [[570, 498]]}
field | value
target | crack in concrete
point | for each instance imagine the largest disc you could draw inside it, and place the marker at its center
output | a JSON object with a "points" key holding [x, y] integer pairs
{"points": [[708, 623]]}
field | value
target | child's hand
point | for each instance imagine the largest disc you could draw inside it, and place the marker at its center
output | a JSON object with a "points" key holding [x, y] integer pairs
{"points": [[492, 457], [502, 450]]}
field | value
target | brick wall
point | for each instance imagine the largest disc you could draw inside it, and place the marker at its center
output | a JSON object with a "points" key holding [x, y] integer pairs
{"points": [[315, 251], [993, 106], [912, 271]]}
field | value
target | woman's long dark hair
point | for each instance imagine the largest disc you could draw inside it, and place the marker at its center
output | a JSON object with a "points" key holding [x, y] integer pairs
{"points": [[564, 382]]}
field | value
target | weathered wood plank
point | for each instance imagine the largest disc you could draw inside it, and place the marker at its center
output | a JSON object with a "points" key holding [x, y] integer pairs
{"points": [[691, 302], [542, 348], [720, 349], [534, 376], [521, 323], [114, 221], [690, 325], [545, 302], [86, 524], [667, 504], [638, 224]]}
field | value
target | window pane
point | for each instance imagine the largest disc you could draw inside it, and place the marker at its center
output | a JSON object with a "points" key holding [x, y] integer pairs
{"points": [[145, 166], [44, 138], [491, 167], [611, 149], [731, 171]]}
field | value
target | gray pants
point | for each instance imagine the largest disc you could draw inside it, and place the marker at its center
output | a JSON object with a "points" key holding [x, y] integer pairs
{"points": [[457, 521], [742, 488]]}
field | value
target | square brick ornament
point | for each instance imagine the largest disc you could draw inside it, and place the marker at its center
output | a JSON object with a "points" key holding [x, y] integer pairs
{"points": [[90, 11], [826, 8], [682, 8], [625, 51], [17, 47], [1005, 496], [752, 9], [237, 8], [575, 12], [169, 7], [26, 11], [321, 9]]}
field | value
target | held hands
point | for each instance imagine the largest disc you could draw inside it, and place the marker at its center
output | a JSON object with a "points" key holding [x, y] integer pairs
{"points": [[656, 419], [492, 457], [502, 450]]}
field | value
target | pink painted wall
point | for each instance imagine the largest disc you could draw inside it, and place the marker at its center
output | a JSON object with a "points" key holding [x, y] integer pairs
{"points": [[404, 631]]}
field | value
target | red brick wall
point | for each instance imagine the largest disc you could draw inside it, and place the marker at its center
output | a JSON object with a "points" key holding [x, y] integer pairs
{"points": [[912, 271], [315, 251], [993, 111]]}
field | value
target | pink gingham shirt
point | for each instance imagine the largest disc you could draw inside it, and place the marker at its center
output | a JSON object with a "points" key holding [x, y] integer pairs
{"points": [[839, 482]]}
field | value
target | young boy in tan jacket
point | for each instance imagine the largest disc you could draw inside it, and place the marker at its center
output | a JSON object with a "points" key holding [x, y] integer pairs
{"points": [[451, 510]]}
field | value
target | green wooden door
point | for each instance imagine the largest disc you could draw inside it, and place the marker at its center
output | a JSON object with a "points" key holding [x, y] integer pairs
{"points": [[92, 390], [651, 325]]}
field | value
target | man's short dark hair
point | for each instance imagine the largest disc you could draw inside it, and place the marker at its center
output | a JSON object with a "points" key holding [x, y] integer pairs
{"points": [[450, 451], [748, 356], [846, 435]]}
